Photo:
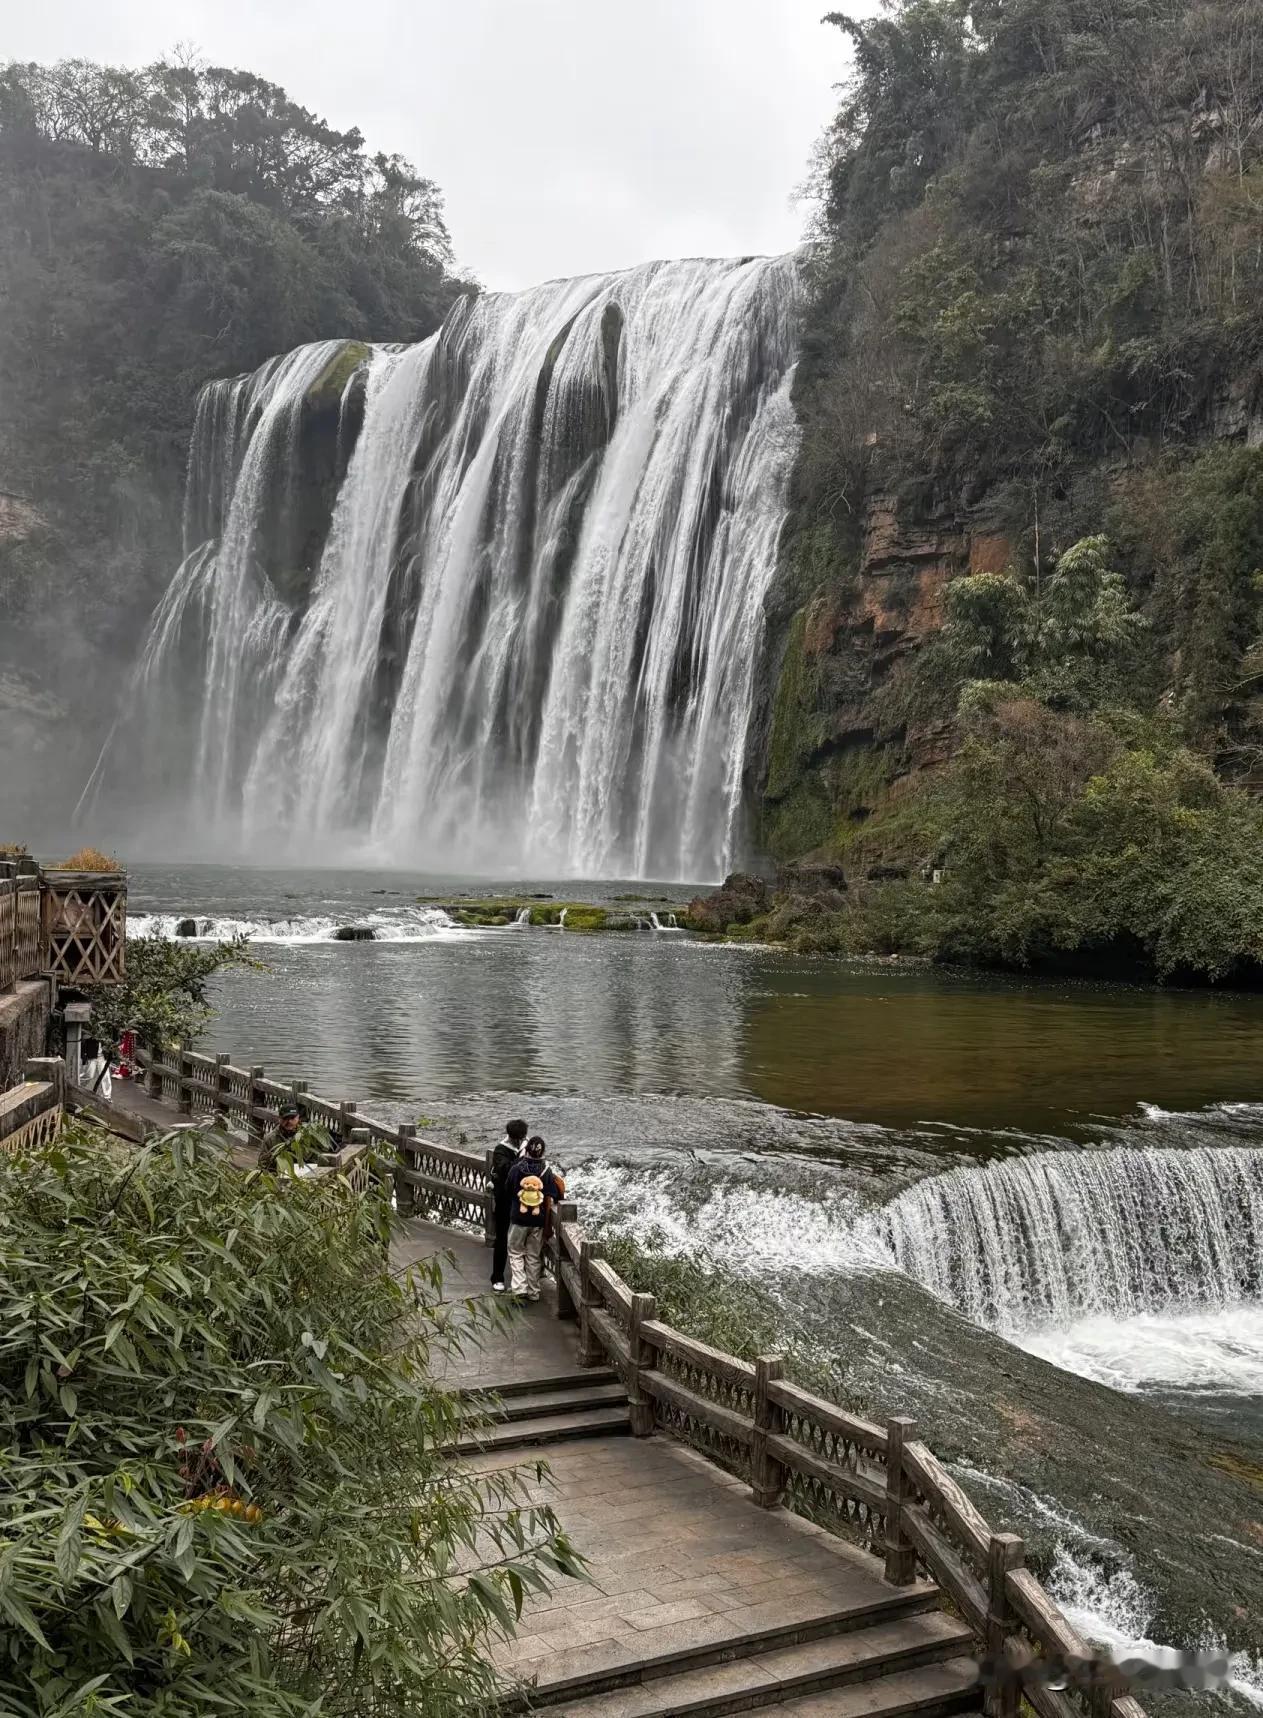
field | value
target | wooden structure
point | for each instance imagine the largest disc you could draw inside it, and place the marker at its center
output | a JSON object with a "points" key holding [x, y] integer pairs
{"points": [[84, 925], [879, 1486], [67, 925], [30, 1113]]}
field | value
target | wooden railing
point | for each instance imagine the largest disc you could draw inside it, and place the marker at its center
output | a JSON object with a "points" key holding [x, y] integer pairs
{"points": [[431, 1180], [880, 1486], [30, 1113], [22, 945], [70, 925]]}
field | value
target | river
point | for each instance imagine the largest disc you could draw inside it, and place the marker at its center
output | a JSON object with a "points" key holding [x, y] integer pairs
{"points": [[945, 1164]]}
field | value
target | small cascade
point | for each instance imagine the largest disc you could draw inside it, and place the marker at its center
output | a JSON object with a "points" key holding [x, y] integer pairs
{"points": [[1060, 1236], [657, 923], [523, 916], [561, 918]]}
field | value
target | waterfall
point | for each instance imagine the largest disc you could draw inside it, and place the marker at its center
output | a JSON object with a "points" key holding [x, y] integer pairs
{"points": [[494, 601], [1061, 1236]]}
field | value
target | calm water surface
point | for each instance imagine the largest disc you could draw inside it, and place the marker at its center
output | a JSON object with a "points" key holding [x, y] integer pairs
{"points": [[454, 1014]]}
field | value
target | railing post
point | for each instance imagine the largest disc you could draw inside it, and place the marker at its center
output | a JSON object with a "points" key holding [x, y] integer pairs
{"points": [[1003, 1695], [298, 1094], [183, 1081], [489, 1210], [591, 1352], [153, 1074], [346, 1121], [767, 1476], [901, 1556], [50, 1070], [405, 1192], [566, 1212], [221, 1086], [76, 1015], [254, 1101], [643, 1308]]}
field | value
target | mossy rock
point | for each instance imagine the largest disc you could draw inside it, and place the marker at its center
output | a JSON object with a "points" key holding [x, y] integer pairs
{"points": [[325, 393]]}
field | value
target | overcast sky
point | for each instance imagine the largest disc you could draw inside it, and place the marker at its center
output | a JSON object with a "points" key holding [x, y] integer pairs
{"points": [[568, 135]]}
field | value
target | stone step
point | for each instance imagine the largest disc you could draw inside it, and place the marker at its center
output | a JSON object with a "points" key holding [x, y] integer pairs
{"points": [[542, 1386], [872, 1673], [931, 1692], [570, 1400], [598, 1673], [546, 1429]]}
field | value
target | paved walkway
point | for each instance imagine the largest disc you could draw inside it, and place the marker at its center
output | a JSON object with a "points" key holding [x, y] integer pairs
{"points": [[524, 1344]]}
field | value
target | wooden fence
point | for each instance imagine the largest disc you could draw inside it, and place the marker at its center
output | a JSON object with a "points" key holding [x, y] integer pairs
{"points": [[879, 1485], [69, 925], [30, 1113]]}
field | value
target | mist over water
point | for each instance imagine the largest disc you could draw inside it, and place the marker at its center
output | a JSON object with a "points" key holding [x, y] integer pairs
{"points": [[531, 638]]}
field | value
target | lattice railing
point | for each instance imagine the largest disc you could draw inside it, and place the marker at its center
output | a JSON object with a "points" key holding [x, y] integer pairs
{"points": [[84, 917], [30, 1113]]}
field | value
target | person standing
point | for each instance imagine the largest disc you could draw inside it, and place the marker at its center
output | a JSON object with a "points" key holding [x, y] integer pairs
{"points": [[533, 1190], [503, 1158]]}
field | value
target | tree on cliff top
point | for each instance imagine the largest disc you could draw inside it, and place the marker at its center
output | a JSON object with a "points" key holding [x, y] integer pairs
{"points": [[225, 1488], [159, 227]]}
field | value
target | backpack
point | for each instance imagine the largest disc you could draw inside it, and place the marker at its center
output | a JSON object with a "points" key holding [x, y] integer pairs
{"points": [[530, 1195]]}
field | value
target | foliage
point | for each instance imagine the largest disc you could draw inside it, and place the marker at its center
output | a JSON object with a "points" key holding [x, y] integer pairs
{"points": [[87, 859], [1072, 644], [163, 997], [224, 1486], [160, 226], [1062, 839]]}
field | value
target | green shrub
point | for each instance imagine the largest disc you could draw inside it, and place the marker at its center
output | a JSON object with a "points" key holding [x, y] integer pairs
{"points": [[222, 1479]]}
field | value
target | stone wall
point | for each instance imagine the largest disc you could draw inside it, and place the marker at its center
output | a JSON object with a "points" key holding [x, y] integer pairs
{"points": [[25, 1012]]}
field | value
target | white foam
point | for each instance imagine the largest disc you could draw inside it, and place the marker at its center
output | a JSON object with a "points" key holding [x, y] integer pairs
{"points": [[1207, 1351], [755, 1228], [1110, 1609], [398, 925]]}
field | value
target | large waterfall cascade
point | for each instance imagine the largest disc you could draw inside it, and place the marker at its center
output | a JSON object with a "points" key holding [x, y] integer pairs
{"points": [[527, 638]]}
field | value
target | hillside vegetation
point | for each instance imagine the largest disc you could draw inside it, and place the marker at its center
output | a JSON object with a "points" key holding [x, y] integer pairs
{"points": [[1018, 629], [159, 227]]}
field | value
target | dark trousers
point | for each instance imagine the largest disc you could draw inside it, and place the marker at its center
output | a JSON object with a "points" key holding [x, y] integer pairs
{"points": [[500, 1251]]}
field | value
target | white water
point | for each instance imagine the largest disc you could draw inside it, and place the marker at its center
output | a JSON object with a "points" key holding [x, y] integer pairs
{"points": [[1140, 1268], [531, 637], [392, 925]]}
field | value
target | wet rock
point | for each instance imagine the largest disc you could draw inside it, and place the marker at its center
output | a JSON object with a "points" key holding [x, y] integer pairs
{"points": [[354, 934], [186, 928], [736, 902], [886, 873]]}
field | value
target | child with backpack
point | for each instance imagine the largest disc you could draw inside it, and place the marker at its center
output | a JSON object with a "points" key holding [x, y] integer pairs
{"points": [[534, 1189]]}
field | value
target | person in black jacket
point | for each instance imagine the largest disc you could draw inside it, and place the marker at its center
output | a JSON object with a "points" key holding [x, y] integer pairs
{"points": [[503, 1158]]}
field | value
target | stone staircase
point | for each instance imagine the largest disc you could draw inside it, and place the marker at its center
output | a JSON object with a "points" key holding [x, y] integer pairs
{"points": [[895, 1659], [529, 1412]]}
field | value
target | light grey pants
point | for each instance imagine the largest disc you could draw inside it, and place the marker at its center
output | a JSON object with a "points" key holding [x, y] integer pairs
{"points": [[526, 1259]]}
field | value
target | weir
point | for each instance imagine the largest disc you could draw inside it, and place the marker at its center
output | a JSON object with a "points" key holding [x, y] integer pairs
{"points": [[502, 590], [839, 1553]]}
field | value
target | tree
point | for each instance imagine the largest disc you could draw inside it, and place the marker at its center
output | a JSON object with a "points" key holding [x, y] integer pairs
{"points": [[163, 998], [225, 1487]]}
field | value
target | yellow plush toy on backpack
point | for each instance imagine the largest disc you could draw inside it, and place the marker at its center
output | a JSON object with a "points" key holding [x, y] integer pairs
{"points": [[530, 1195]]}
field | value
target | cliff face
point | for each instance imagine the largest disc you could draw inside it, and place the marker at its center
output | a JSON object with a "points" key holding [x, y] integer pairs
{"points": [[843, 731], [1034, 319]]}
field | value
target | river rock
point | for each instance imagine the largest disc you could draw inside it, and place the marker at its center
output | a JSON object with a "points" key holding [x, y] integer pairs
{"points": [[354, 934], [738, 900], [186, 928]]}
